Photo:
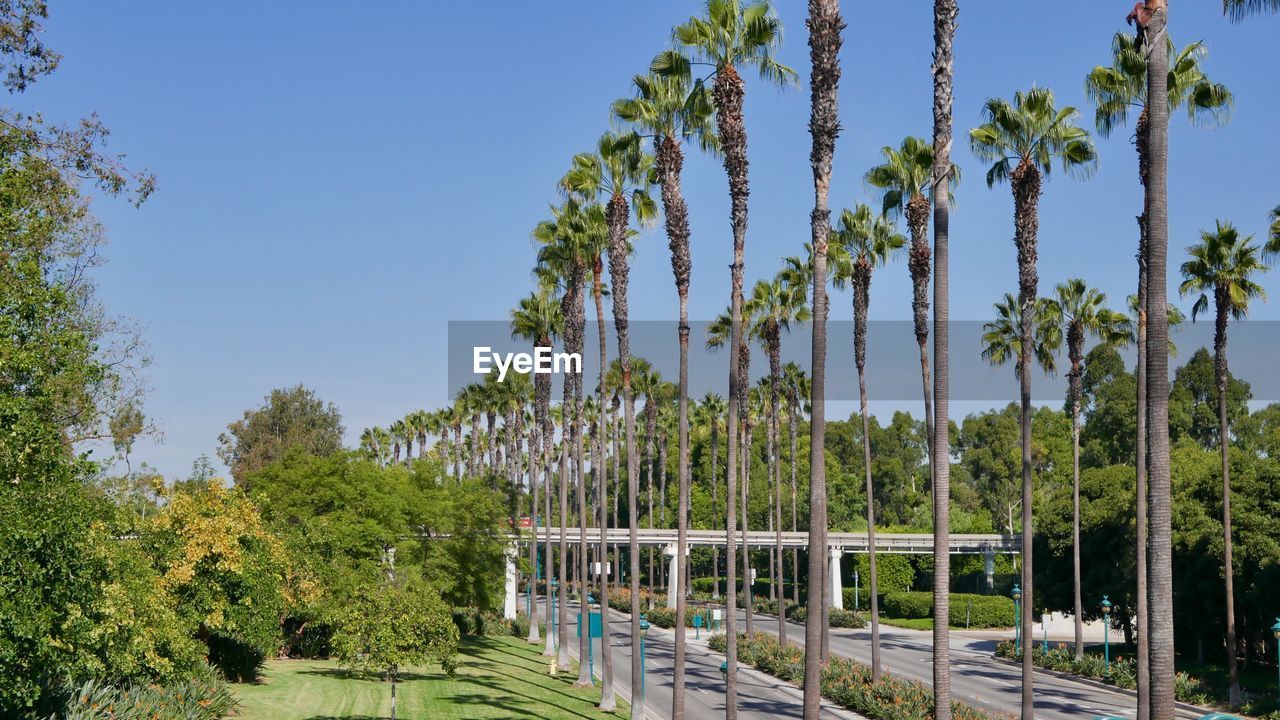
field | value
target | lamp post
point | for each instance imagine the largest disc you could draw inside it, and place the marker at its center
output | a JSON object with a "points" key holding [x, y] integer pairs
{"points": [[591, 653], [1275, 630], [555, 584], [724, 671], [855, 589], [1106, 630], [1017, 617], [644, 631]]}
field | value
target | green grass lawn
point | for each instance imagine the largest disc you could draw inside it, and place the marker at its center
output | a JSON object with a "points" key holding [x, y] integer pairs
{"points": [[497, 677]]}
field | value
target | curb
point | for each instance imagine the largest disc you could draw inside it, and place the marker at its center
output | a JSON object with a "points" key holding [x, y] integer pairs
{"points": [[1099, 684]]}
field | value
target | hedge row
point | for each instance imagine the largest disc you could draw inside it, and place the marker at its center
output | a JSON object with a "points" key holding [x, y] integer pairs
{"points": [[967, 610], [1122, 673], [836, 618], [845, 682]]}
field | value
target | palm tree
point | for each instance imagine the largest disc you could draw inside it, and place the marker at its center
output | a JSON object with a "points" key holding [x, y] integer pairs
{"points": [[1034, 133], [709, 412], [835, 263], [825, 25], [1002, 337], [1115, 90], [1223, 264], [944, 30], [1238, 10], [904, 177], [1156, 226], [537, 319], [568, 241], [777, 304], [670, 110], [617, 170], [730, 35], [649, 384], [1273, 240], [1080, 311], [871, 241], [796, 385]]}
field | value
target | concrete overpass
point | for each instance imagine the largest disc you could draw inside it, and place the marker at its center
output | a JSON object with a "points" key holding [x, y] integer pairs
{"points": [[838, 543]]}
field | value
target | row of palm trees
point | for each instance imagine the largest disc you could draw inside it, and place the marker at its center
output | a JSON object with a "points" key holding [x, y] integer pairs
{"points": [[695, 94]]}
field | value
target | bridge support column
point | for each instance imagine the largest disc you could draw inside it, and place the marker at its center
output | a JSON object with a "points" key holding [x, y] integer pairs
{"points": [[989, 565], [833, 569], [673, 576], [509, 602]]}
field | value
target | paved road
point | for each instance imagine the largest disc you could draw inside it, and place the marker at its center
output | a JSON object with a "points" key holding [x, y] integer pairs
{"points": [[976, 678], [760, 697]]}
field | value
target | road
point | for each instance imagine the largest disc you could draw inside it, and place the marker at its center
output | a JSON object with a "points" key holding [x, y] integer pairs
{"points": [[976, 677], [760, 697]]}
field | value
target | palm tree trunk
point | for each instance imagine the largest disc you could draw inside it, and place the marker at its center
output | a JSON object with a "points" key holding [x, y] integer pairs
{"points": [[562, 655], [944, 28], [748, 582], [795, 515], [861, 302], [1224, 441], [715, 503], [727, 93], [583, 581], [1141, 613], [1075, 340], [775, 377], [650, 421], [608, 702], [534, 447], [825, 25], [669, 162], [548, 446], [918, 265], [1025, 180], [617, 491], [662, 502], [1157, 212]]}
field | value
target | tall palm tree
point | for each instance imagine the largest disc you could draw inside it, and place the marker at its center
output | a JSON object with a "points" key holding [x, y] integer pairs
{"points": [[1223, 264], [872, 241], [1080, 311], [727, 36], [944, 30], [618, 171], [1116, 90], [1022, 139], [648, 382], [569, 240], [709, 412], [904, 178], [825, 25], [671, 109], [836, 264], [1156, 226], [538, 319], [777, 303], [796, 386]]}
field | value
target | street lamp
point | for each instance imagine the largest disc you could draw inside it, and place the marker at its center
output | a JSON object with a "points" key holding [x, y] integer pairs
{"points": [[591, 653], [1275, 630], [1106, 630], [1017, 617], [554, 596], [644, 631]]}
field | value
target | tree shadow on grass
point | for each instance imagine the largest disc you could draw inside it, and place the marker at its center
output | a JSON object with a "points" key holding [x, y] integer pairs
{"points": [[343, 674]]}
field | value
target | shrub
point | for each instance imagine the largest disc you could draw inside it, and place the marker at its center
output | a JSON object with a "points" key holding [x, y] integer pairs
{"points": [[840, 618], [977, 611], [666, 618], [908, 604], [205, 697], [845, 682], [1123, 671], [620, 600]]}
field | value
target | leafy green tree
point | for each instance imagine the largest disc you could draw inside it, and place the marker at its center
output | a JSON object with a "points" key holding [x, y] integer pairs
{"points": [[288, 417], [226, 572], [386, 628]]}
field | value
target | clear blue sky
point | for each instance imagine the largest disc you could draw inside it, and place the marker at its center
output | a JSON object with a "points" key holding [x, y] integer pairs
{"points": [[337, 181]]}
